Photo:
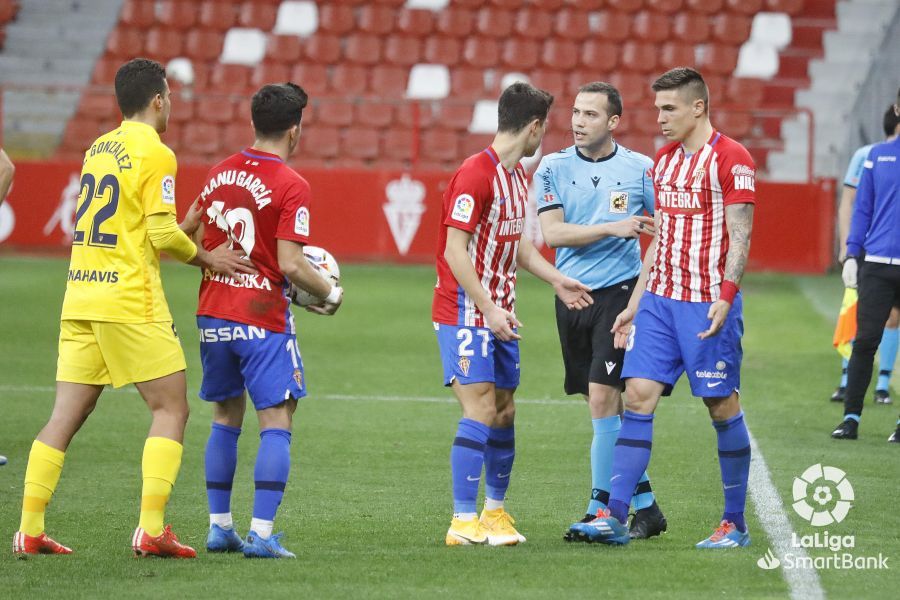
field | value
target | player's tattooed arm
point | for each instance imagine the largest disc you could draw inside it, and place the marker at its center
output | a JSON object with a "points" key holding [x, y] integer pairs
{"points": [[739, 220]]}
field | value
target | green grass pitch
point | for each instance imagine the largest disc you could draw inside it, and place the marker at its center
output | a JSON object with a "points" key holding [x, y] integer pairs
{"points": [[368, 502]]}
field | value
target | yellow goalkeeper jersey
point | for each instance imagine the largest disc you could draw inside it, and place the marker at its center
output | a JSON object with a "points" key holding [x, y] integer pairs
{"points": [[113, 276]]}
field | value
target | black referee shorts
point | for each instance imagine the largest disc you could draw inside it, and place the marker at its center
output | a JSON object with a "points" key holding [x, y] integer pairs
{"points": [[587, 344]]}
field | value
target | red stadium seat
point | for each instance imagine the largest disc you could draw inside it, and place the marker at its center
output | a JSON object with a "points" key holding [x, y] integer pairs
{"points": [[651, 26], [398, 144], [231, 78], [473, 143], [707, 7], [200, 137], [559, 54], [481, 52], [79, 134], [613, 26], [349, 79], [236, 137], [375, 113], [201, 74], [533, 23], [628, 6], [176, 14], [639, 56], [667, 7], [440, 145], [744, 91], [182, 109], [736, 124], [388, 81], [415, 21], [124, 41], [467, 83], [336, 18], [105, 70], [320, 142], [717, 58], [270, 72], [645, 144], [214, 109], [283, 48], [311, 77], [335, 112], [561, 113], [423, 115], [376, 19], [455, 21], [600, 55], [454, 115], [403, 50], [494, 22], [164, 44], [551, 80], [731, 29], [322, 48], [572, 24], [520, 54], [791, 7], [716, 84], [204, 44], [554, 141], [744, 7], [220, 15], [509, 4], [632, 86], [676, 54], [361, 143], [257, 14], [391, 3], [99, 104], [363, 49], [691, 27], [643, 120], [138, 13], [442, 50]]}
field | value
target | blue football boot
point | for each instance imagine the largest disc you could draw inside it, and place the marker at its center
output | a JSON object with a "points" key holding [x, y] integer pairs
{"points": [[223, 540], [726, 535], [256, 547], [605, 529]]}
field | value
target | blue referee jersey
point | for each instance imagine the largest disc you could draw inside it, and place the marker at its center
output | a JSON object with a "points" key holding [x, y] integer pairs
{"points": [[591, 192], [875, 226]]}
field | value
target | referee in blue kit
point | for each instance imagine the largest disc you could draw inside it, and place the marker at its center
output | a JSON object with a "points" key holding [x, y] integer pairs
{"points": [[873, 251]]}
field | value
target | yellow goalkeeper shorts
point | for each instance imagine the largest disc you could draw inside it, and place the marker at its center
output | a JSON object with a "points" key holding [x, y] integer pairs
{"points": [[100, 353]]}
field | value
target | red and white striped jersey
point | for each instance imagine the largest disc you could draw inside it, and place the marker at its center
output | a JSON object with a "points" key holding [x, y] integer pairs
{"points": [[692, 191], [488, 201]]}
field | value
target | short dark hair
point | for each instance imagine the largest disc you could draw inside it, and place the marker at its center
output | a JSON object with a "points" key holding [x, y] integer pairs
{"points": [[277, 107], [684, 77], [520, 104], [890, 122], [613, 97], [137, 82]]}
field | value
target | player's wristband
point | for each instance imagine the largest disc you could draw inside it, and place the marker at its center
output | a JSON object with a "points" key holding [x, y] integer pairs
{"points": [[729, 291], [334, 295]]}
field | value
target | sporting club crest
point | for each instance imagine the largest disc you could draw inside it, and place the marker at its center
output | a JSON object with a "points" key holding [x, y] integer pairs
{"points": [[404, 209]]}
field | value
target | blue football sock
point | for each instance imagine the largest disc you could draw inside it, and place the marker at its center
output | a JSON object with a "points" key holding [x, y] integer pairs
{"points": [[273, 463], [844, 363], [220, 462], [630, 460], [734, 463], [466, 461], [606, 430], [499, 454], [887, 355]]}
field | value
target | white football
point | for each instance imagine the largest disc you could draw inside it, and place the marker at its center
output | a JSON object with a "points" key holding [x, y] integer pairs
{"points": [[324, 263]]}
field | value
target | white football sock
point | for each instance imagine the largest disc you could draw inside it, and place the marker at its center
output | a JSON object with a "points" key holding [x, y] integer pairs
{"points": [[465, 516], [261, 528], [491, 504], [223, 520]]}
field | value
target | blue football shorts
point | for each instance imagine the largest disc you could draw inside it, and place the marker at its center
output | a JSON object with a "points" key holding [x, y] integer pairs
{"points": [[663, 344], [474, 355], [236, 356]]}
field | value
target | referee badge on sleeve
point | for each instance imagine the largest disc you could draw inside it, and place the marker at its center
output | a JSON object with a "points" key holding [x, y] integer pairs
{"points": [[618, 202]]}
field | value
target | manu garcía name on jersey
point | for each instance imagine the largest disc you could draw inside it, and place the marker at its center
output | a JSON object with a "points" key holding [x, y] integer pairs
{"points": [[261, 194], [241, 280]]}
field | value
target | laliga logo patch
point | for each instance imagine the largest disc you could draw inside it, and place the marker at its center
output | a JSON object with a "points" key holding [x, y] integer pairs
{"points": [[464, 364], [301, 222], [831, 495], [463, 207], [618, 202], [404, 210], [168, 189]]}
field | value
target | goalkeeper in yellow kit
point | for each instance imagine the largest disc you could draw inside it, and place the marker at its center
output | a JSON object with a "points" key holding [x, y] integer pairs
{"points": [[115, 326]]}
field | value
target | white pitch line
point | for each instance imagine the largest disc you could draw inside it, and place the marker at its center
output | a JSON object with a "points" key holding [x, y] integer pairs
{"points": [[803, 583]]}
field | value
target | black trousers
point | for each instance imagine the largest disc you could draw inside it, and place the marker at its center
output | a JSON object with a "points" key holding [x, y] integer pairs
{"points": [[879, 290]]}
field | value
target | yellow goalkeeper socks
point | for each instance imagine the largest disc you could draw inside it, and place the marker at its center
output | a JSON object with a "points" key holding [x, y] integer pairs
{"points": [[160, 464], [41, 476]]}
